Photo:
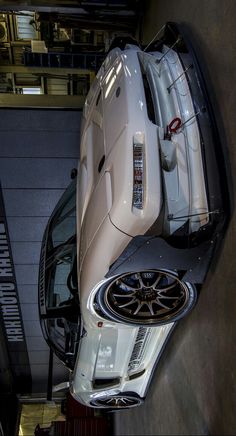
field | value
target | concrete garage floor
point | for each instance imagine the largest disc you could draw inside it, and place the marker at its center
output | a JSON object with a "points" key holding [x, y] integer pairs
{"points": [[193, 391]]}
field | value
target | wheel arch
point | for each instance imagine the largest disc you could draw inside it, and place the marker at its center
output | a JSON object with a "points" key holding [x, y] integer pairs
{"points": [[153, 252]]}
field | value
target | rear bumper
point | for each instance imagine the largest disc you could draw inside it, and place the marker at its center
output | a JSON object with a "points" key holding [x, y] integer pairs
{"points": [[212, 153], [186, 252]]}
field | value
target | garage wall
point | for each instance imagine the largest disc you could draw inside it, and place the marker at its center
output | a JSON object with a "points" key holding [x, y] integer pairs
{"points": [[38, 149]]}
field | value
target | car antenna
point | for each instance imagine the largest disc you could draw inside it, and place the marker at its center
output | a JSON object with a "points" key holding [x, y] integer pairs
{"points": [[156, 35]]}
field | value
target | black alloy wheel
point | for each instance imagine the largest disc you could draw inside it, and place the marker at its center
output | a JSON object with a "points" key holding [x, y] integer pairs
{"points": [[117, 402], [150, 297]]}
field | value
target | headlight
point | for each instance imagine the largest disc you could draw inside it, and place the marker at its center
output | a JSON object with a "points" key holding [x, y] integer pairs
{"points": [[138, 168]]}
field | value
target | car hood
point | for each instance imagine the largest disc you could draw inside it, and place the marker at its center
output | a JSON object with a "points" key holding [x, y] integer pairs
{"points": [[113, 120]]}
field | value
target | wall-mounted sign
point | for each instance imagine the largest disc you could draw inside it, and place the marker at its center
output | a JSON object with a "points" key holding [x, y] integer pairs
{"points": [[10, 312]]}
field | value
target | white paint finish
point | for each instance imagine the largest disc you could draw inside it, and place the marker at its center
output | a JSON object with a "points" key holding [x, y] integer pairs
{"points": [[122, 117], [122, 341], [98, 208], [106, 246], [106, 219], [120, 164]]}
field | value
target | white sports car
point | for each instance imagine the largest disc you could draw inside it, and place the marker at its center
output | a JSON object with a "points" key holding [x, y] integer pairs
{"points": [[130, 242]]}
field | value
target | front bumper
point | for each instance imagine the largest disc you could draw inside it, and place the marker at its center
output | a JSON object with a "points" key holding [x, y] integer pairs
{"points": [[127, 369]]}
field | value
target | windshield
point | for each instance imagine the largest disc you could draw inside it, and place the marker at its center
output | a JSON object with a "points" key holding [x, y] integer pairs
{"points": [[61, 277], [61, 315]]}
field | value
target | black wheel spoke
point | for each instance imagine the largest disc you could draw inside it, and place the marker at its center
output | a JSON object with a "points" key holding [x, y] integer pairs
{"points": [[157, 281], [142, 285], [166, 297], [167, 288], [138, 308], [128, 304], [110, 401], [127, 287], [162, 304], [124, 295]]}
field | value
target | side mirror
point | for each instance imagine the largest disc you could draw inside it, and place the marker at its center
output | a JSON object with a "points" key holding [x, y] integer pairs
{"points": [[73, 173], [61, 387]]}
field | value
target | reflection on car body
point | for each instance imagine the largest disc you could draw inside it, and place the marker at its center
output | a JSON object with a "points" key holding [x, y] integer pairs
{"points": [[129, 244]]}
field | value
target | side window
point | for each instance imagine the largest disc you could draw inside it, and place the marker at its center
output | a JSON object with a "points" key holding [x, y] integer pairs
{"points": [[60, 266], [61, 315], [63, 223]]}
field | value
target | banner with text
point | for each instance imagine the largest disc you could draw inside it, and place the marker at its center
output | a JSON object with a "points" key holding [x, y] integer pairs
{"points": [[10, 312]]}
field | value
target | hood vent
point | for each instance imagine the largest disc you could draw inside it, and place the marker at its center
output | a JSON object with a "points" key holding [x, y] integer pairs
{"points": [[105, 382]]}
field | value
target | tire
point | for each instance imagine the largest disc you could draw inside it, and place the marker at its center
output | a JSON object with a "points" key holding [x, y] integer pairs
{"points": [[117, 402], [146, 298]]}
